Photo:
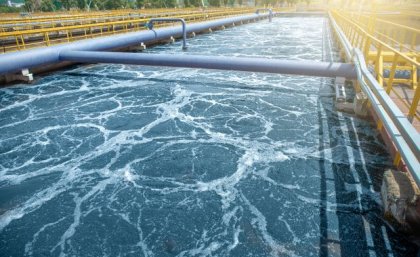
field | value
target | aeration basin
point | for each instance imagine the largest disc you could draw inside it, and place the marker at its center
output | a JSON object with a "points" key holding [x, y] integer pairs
{"points": [[127, 160]]}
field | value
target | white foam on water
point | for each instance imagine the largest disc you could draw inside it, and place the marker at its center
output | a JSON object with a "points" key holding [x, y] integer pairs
{"points": [[228, 98], [77, 215], [260, 222], [130, 177]]}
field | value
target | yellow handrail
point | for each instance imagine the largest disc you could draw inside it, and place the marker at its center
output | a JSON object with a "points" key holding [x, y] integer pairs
{"points": [[84, 15], [369, 36], [393, 32], [360, 38], [69, 21], [90, 30], [57, 29]]}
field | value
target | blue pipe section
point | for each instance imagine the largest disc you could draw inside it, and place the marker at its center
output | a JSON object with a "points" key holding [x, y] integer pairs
{"points": [[149, 25], [306, 68], [270, 12], [14, 62]]}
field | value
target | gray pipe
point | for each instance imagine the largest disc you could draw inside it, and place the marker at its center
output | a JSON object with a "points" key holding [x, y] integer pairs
{"points": [[149, 25], [306, 68]]}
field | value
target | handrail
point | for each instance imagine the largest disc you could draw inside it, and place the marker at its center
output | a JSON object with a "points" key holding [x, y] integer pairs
{"points": [[401, 26], [149, 25], [405, 38], [127, 13], [270, 17], [359, 37], [398, 119], [374, 39], [40, 31], [402, 132], [125, 17]]}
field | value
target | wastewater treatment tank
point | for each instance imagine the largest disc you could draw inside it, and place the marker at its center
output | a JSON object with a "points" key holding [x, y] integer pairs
{"points": [[119, 160]]}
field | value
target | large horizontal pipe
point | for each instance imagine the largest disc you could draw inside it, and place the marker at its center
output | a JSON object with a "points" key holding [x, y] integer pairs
{"points": [[14, 62], [306, 68]]}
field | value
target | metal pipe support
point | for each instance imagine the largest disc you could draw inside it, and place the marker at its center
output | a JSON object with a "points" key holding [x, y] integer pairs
{"points": [[270, 13], [149, 25]]}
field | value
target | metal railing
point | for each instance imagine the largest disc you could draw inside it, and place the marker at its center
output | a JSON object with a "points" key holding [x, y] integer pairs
{"points": [[399, 36], [62, 21], [54, 16], [381, 56], [403, 135]]}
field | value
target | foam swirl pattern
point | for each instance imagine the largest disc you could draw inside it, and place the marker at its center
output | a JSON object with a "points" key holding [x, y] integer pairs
{"points": [[116, 160]]}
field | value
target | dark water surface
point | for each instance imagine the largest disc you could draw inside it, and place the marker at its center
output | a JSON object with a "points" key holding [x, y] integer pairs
{"points": [[116, 160]]}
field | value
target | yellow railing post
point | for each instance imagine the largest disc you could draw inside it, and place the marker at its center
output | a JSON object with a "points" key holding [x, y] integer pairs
{"points": [[381, 70], [47, 39], [392, 36], [351, 34], [392, 74], [414, 104], [355, 34], [363, 43], [413, 41], [397, 159], [402, 40], [23, 41], [379, 65], [17, 42]]}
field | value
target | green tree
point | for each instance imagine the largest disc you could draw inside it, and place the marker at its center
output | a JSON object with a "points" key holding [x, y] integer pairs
{"points": [[68, 4], [114, 4], [7, 9], [140, 3], [47, 6], [32, 5], [192, 3], [215, 3], [81, 4]]}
